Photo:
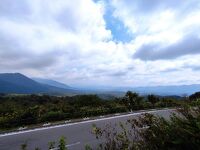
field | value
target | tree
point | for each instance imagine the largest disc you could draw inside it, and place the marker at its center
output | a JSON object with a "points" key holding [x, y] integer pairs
{"points": [[152, 99], [132, 100], [194, 96]]}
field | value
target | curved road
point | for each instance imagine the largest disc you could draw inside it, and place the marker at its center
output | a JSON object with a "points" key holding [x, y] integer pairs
{"points": [[77, 134]]}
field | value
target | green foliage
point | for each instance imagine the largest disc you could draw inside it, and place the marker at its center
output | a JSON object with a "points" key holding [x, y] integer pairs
{"points": [[53, 116], [62, 143], [152, 99], [132, 101], [24, 146], [51, 145], [179, 131], [23, 110], [151, 132], [194, 96], [168, 102], [87, 147]]}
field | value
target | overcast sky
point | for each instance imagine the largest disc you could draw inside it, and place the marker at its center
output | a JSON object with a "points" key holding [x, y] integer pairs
{"points": [[102, 42]]}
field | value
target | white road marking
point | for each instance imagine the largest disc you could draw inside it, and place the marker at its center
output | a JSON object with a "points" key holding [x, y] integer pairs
{"points": [[73, 144], [83, 122], [69, 145]]}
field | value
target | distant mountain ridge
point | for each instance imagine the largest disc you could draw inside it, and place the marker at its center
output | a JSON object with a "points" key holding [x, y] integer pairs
{"points": [[17, 83], [52, 83], [180, 90]]}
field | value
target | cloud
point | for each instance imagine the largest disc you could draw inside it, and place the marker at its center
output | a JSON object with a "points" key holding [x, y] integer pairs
{"points": [[63, 40], [104, 42], [193, 67], [162, 29], [48, 28], [14, 10], [189, 45], [155, 15]]}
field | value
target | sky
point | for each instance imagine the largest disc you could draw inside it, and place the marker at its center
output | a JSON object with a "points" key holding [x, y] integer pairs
{"points": [[102, 42]]}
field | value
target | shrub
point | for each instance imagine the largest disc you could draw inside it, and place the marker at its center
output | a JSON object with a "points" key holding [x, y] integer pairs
{"points": [[149, 132]]}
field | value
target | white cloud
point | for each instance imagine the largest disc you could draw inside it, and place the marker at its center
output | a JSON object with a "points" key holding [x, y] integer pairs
{"points": [[69, 41], [158, 21], [57, 39]]}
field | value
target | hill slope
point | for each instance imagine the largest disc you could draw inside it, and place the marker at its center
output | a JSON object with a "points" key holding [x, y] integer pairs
{"points": [[52, 83], [20, 84]]}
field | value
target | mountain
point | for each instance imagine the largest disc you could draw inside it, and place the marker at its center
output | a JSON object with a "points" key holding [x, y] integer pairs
{"points": [[179, 90], [172, 90], [20, 84], [52, 83]]}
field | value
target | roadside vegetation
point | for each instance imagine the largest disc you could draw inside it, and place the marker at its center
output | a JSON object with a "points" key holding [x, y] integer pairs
{"points": [[23, 110], [181, 130], [51, 146], [149, 132]]}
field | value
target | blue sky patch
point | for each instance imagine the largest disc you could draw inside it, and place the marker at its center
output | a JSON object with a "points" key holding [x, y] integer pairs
{"points": [[119, 31]]}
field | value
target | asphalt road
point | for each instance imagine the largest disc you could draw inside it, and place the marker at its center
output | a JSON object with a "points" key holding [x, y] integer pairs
{"points": [[77, 134]]}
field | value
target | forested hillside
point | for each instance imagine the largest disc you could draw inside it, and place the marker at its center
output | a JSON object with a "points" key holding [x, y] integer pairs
{"points": [[20, 110]]}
